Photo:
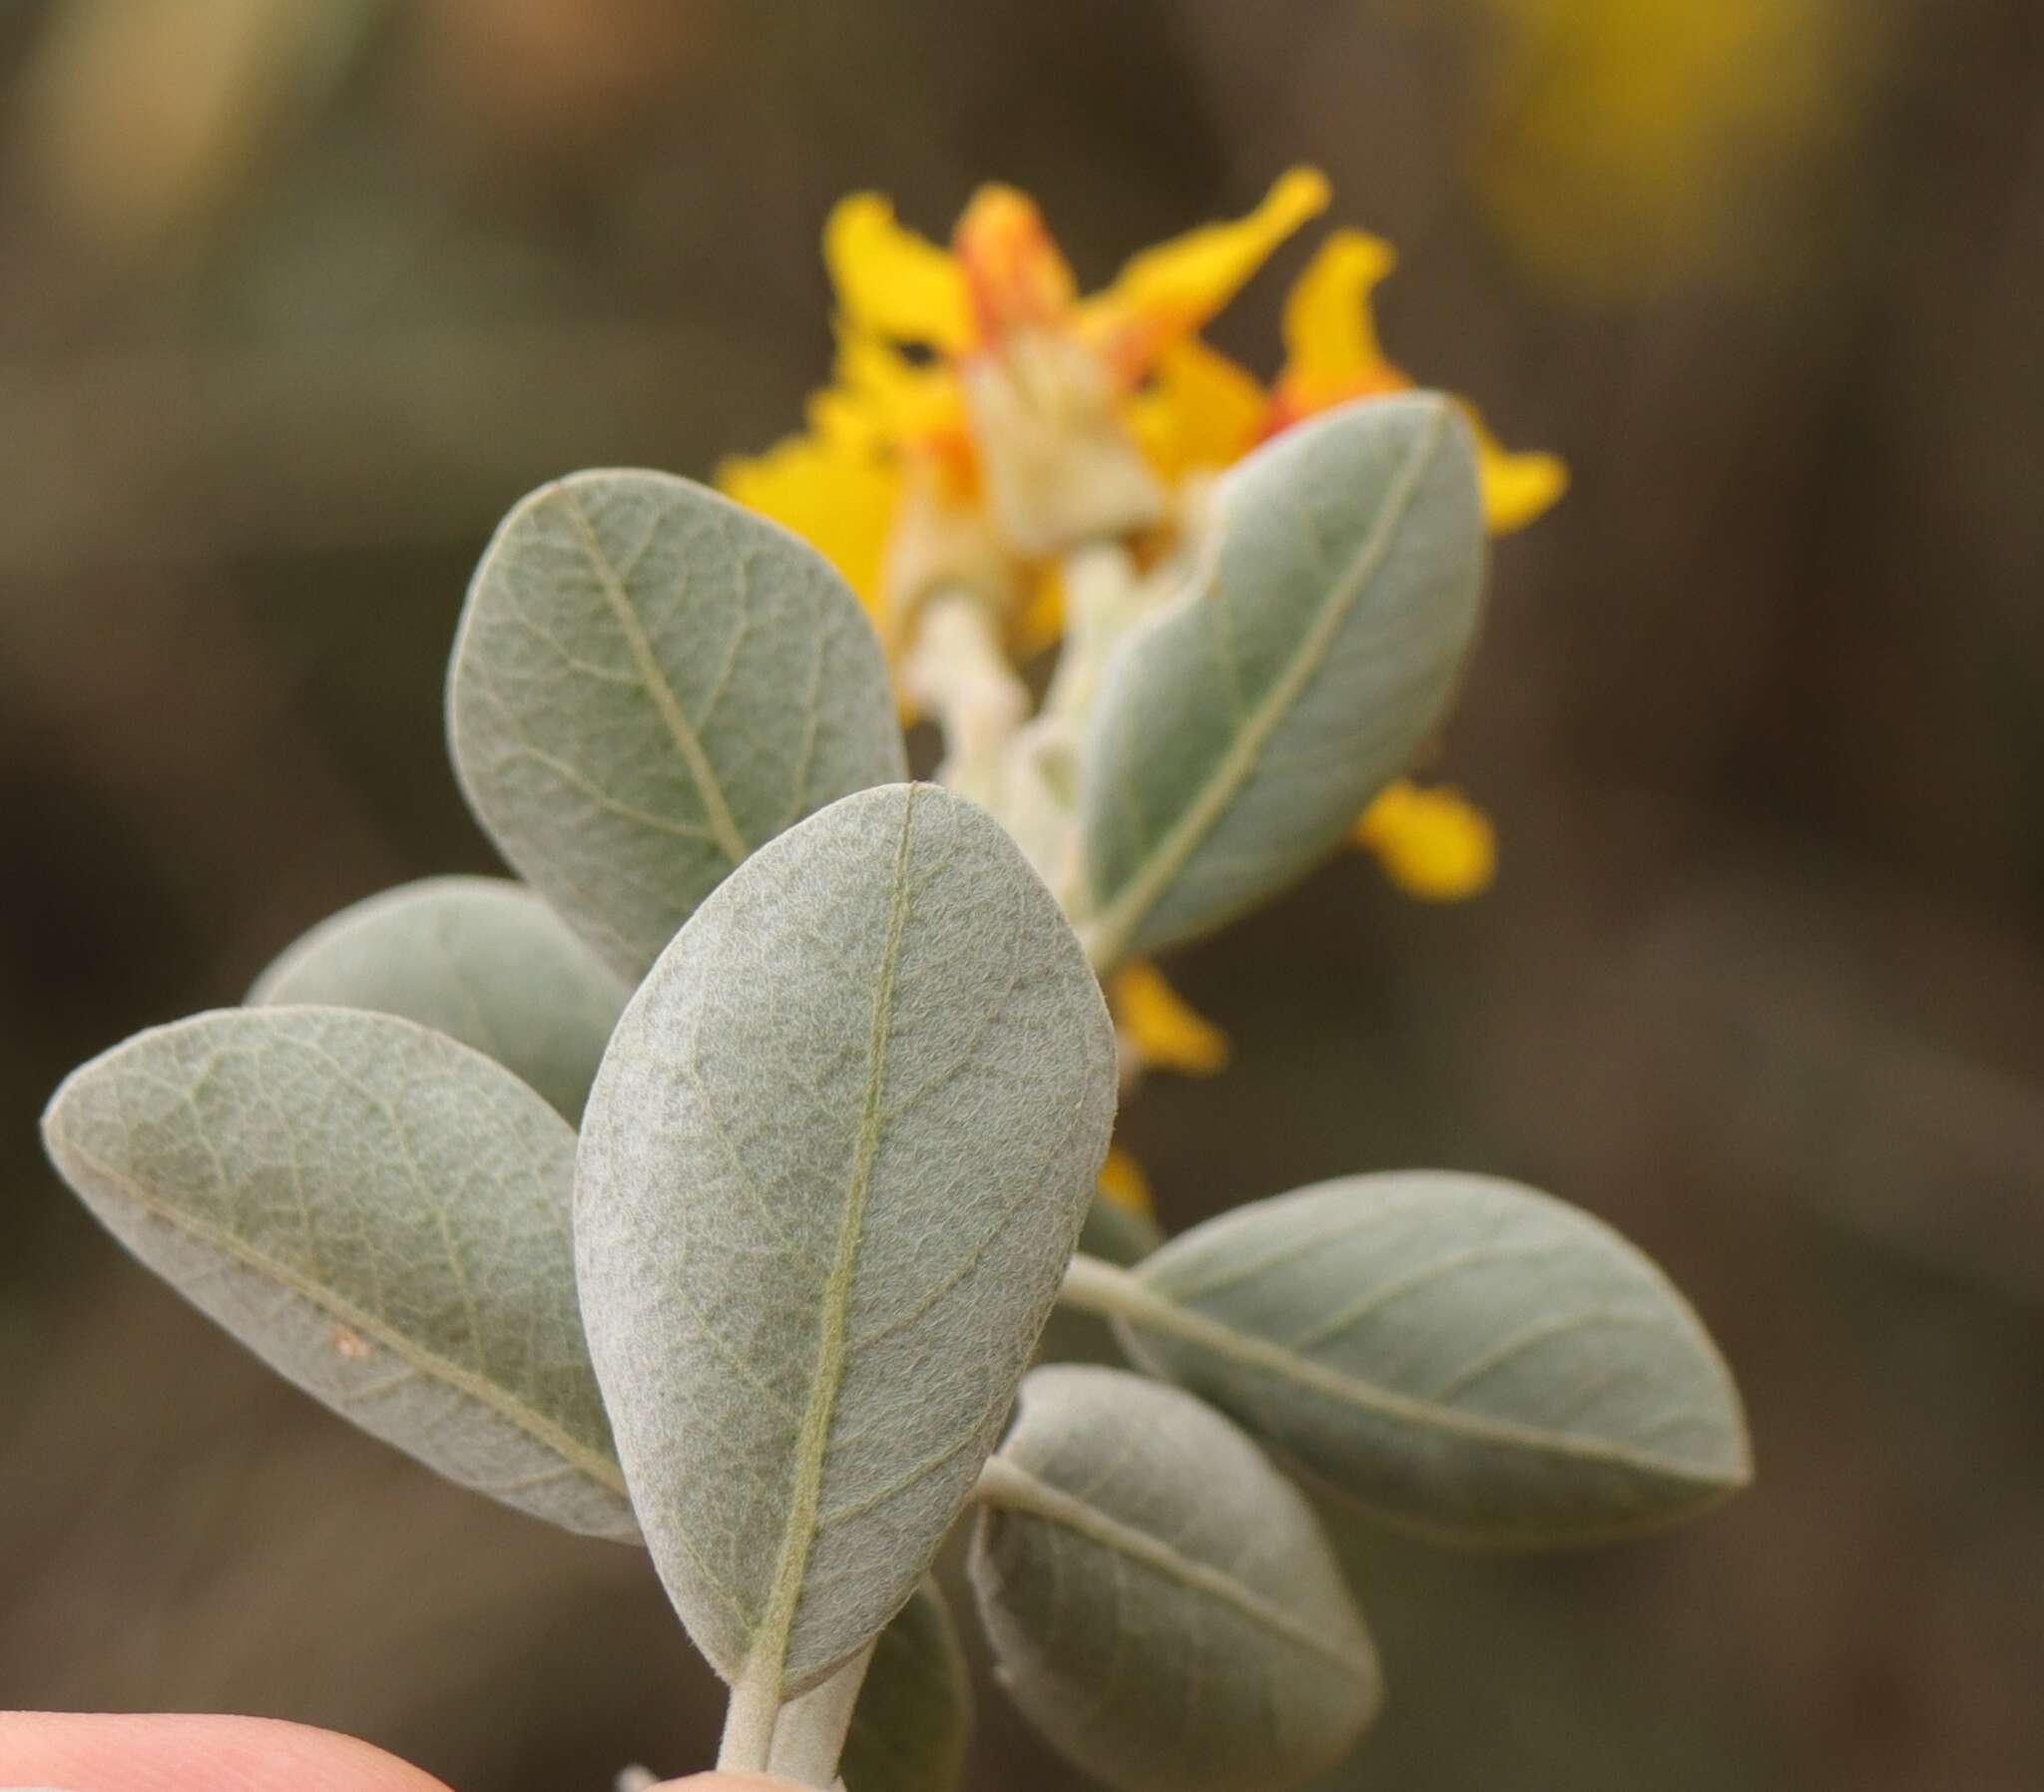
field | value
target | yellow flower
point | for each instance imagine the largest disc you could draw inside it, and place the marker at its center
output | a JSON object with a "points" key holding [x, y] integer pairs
{"points": [[832, 490], [1158, 1028], [1001, 314], [1200, 411], [1122, 1180], [1628, 142], [1434, 844], [983, 413], [1005, 275], [1332, 355]]}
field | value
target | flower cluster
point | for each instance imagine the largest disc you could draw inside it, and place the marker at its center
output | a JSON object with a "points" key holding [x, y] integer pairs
{"points": [[1001, 462]]}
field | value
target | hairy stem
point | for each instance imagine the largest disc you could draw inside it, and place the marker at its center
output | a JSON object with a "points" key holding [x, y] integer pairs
{"points": [[809, 1736], [1103, 596], [748, 1722], [957, 671], [1092, 1285]]}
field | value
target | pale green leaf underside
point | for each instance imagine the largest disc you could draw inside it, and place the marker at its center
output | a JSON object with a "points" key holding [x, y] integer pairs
{"points": [[831, 1173], [649, 681], [1162, 1600], [1466, 1357], [1240, 733], [380, 1215], [912, 1725], [481, 959]]}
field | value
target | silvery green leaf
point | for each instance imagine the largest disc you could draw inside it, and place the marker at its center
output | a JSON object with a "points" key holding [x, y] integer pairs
{"points": [[380, 1215], [649, 681], [913, 1721], [1161, 1601], [1464, 1356], [1242, 729], [480, 959], [832, 1172]]}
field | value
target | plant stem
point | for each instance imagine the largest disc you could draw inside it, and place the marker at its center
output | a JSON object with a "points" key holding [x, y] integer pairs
{"points": [[1103, 596], [957, 671], [1001, 1483], [748, 1722], [809, 1736], [1092, 1285]]}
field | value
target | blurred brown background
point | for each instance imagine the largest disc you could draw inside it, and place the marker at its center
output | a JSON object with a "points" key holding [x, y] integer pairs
{"points": [[296, 297]]}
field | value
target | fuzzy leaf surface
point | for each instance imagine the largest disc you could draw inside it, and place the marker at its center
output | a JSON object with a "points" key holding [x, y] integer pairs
{"points": [[380, 1215], [649, 681], [830, 1174], [1162, 1601], [1242, 729], [1466, 1357], [481, 959]]}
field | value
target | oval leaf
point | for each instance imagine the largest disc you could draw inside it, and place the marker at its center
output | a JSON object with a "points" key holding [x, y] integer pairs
{"points": [[1466, 1357], [380, 1215], [830, 1174], [1241, 731], [1162, 1601], [912, 1724], [649, 681], [480, 959]]}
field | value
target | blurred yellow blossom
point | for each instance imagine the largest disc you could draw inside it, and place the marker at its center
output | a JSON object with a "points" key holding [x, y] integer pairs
{"points": [[1001, 312], [1157, 1028], [1630, 140], [989, 432], [992, 330], [1434, 844], [1122, 1180], [1332, 355]]}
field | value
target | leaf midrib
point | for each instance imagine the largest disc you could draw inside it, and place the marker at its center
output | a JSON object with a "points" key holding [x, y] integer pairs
{"points": [[1004, 1486], [1116, 925], [769, 1653], [1140, 1305], [724, 827], [488, 1394]]}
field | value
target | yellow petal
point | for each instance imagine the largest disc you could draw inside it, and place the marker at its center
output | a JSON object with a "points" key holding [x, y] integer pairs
{"points": [[1434, 844], [1171, 290], [1041, 619], [845, 419], [889, 280], [834, 495], [1200, 410], [1122, 1180], [1016, 276], [902, 400], [1330, 342], [1163, 1027], [1517, 488]]}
